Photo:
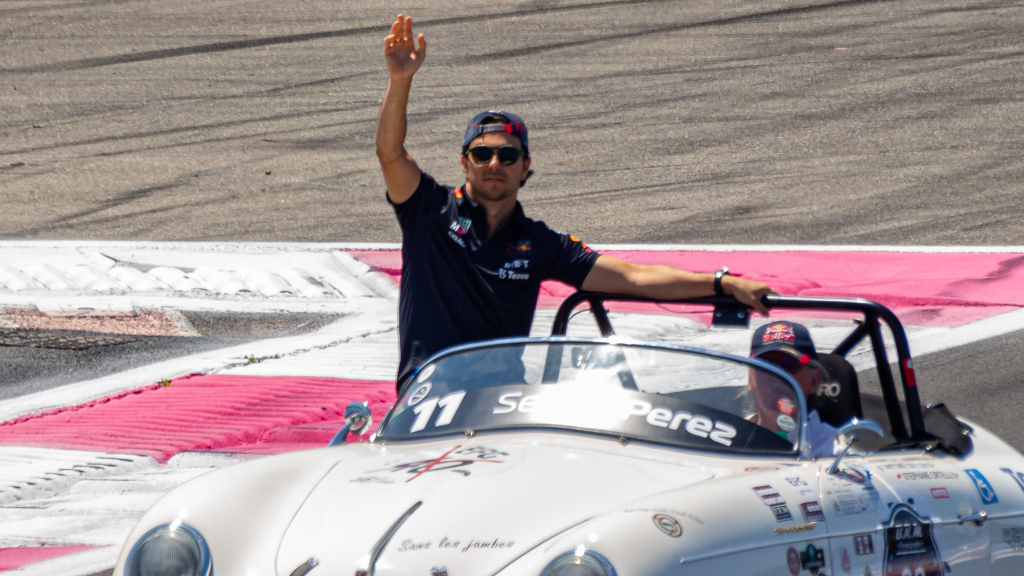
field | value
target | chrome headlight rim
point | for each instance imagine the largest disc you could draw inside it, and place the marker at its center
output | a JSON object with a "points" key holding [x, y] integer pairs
{"points": [[609, 570], [205, 559]]}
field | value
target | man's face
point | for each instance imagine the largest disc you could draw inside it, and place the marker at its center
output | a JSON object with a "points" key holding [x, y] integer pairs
{"points": [[495, 181], [806, 376]]}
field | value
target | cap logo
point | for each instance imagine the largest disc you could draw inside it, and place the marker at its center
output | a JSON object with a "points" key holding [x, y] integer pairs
{"points": [[778, 333]]}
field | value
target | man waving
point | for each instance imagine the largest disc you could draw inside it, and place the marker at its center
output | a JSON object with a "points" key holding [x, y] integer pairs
{"points": [[472, 262]]}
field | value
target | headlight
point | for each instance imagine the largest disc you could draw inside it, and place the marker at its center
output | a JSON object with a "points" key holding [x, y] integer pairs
{"points": [[581, 562], [170, 550]]}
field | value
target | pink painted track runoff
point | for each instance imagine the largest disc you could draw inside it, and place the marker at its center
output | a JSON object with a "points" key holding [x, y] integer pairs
{"points": [[924, 289], [14, 558], [220, 413]]}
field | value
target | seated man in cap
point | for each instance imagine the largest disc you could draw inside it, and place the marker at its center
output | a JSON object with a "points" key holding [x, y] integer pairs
{"points": [[788, 345], [472, 262]]}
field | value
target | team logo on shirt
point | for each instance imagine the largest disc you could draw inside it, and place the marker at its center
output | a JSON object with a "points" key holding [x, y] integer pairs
{"points": [[520, 248], [458, 196], [462, 226], [582, 243]]}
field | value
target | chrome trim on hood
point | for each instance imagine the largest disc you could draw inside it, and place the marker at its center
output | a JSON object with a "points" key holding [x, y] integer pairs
{"points": [[379, 547]]}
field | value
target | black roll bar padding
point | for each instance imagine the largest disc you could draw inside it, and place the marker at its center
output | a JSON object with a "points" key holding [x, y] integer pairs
{"points": [[885, 379], [601, 317], [871, 310]]}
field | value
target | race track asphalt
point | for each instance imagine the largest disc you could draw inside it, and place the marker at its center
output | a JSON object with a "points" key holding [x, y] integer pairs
{"points": [[982, 382], [652, 121], [727, 121]]}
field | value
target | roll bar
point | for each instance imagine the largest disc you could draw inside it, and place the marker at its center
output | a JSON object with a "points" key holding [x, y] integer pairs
{"points": [[726, 306]]}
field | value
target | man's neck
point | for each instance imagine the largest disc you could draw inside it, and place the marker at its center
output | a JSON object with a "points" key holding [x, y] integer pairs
{"points": [[499, 212]]}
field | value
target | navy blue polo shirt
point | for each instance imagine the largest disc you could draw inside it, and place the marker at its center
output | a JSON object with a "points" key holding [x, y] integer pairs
{"points": [[459, 286]]}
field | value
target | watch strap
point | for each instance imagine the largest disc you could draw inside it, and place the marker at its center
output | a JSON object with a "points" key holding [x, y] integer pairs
{"points": [[718, 281]]}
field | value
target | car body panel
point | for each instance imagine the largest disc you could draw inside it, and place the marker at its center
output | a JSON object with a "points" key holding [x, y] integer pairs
{"points": [[509, 501]]}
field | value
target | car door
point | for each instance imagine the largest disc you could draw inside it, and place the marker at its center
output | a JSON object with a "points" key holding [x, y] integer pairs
{"points": [[918, 502], [799, 499], [851, 504], [999, 483]]}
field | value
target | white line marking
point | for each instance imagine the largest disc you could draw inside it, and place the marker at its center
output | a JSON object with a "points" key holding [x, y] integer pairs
{"points": [[377, 316], [937, 341], [270, 247], [810, 248]]}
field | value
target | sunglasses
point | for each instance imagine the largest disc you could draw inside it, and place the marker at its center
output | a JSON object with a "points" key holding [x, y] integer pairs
{"points": [[507, 155], [787, 363]]}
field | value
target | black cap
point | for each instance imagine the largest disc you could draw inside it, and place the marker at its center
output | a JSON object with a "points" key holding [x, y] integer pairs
{"points": [[788, 337], [506, 122]]}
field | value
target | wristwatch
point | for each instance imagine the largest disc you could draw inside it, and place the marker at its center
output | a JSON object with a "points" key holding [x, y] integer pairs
{"points": [[718, 281]]}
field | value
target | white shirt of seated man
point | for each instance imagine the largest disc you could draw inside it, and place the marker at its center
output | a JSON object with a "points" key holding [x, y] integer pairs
{"points": [[788, 345]]}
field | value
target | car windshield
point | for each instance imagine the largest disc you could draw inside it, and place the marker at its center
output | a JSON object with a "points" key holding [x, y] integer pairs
{"points": [[678, 397]]}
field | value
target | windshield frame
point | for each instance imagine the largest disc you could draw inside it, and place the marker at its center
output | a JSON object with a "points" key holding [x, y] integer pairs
{"points": [[803, 451]]}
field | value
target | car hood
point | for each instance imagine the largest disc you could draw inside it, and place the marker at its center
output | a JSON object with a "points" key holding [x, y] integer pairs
{"points": [[479, 503]]}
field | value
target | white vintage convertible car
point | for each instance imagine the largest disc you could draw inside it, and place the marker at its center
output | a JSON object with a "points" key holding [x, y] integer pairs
{"points": [[601, 457]]}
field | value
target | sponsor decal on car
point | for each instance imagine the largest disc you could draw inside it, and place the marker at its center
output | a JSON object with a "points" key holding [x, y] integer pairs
{"points": [[695, 424], [907, 466], [936, 475], [864, 545], [793, 561], [845, 502], [446, 543], [785, 422], [456, 460], [844, 560], [909, 545], [760, 469], [419, 394], [852, 475], [988, 495], [794, 529], [773, 500], [668, 525], [786, 406], [676, 513], [812, 559], [940, 492], [812, 512], [1018, 477], [1014, 537]]}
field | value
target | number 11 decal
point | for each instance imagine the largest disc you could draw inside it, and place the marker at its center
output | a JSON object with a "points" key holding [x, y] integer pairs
{"points": [[425, 410]]}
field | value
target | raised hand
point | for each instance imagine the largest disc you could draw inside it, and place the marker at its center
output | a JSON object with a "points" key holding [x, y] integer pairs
{"points": [[400, 53]]}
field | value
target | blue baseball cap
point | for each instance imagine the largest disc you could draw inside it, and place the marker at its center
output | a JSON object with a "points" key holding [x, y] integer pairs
{"points": [[788, 337], [506, 122]]}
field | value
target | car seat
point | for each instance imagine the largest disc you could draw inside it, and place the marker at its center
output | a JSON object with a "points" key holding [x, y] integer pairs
{"points": [[838, 396]]}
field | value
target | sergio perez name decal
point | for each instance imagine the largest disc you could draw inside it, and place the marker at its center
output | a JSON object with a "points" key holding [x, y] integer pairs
{"points": [[695, 424]]}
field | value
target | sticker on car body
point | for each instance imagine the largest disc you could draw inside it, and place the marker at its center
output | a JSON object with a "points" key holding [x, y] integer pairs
{"points": [[909, 545], [988, 495], [773, 500]]}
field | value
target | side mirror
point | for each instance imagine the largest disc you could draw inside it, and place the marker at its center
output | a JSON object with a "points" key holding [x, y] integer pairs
{"points": [[357, 421], [851, 432]]}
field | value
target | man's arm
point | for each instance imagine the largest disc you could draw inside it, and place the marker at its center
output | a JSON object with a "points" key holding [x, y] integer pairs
{"points": [[401, 174], [668, 283]]}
